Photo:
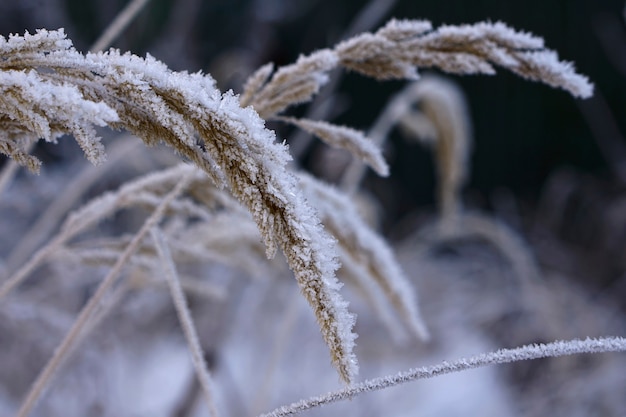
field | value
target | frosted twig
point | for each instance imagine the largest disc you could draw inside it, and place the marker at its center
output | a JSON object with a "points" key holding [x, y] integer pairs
{"points": [[554, 349]]}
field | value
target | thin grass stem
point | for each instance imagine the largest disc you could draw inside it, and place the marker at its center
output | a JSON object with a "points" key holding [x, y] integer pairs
{"points": [[62, 351], [119, 24], [554, 349], [186, 321]]}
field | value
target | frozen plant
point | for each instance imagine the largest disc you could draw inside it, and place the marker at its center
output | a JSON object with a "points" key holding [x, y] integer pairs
{"points": [[49, 89]]}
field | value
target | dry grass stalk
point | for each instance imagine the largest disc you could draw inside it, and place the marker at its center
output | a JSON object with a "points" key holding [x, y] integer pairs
{"points": [[344, 138], [184, 315], [443, 109], [365, 248], [68, 343], [117, 26]]}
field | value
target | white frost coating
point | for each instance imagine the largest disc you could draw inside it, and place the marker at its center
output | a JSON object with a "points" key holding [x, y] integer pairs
{"points": [[523, 53], [554, 349], [364, 46], [41, 40], [498, 32], [396, 50], [34, 102], [400, 29], [505, 35], [369, 249]]}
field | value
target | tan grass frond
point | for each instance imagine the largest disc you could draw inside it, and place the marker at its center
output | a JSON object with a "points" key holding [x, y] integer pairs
{"points": [[398, 49], [367, 249], [16, 152], [39, 108], [186, 321], [344, 137], [401, 46], [292, 84], [443, 105], [50, 89]]}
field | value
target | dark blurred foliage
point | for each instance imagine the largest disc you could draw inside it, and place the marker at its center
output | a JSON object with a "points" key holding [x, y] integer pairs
{"points": [[524, 131]]}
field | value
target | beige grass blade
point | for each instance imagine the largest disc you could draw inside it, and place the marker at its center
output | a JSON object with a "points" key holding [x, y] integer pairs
{"points": [[367, 249], [186, 321], [344, 138]]}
